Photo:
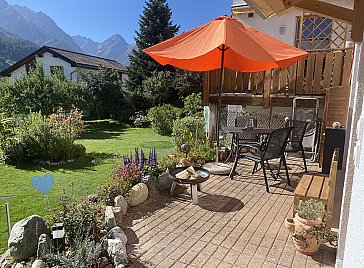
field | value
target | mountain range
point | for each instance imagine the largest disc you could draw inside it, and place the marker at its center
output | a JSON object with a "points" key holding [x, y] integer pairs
{"points": [[25, 30]]}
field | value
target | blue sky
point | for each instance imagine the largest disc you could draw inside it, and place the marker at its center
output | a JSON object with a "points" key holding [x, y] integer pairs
{"points": [[100, 19]]}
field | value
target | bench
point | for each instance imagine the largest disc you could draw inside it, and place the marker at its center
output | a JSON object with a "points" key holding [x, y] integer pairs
{"points": [[319, 187]]}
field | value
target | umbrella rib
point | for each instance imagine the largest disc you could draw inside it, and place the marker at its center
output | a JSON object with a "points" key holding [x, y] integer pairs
{"points": [[223, 49]]}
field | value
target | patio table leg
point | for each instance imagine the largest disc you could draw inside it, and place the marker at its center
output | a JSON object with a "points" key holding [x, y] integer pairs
{"points": [[199, 187], [231, 175], [173, 187], [194, 194]]}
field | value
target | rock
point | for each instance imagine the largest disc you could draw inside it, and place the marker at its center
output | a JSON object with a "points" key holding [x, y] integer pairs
{"points": [[117, 252], [164, 182], [109, 218], [117, 233], [121, 202], [137, 194], [118, 215], [23, 241], [18, 265], [44, 246], [151, 182], [39, 264]]}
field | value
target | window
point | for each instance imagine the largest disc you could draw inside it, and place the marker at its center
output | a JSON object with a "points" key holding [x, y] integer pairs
{"points": [[57, 70], [316, 32]]}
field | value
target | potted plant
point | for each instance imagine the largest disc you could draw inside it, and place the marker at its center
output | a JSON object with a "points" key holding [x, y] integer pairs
{"points": [[308, 229]]}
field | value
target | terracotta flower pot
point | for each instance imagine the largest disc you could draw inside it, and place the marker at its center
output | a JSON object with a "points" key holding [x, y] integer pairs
{"points": [[303, 228], [289, 224]]}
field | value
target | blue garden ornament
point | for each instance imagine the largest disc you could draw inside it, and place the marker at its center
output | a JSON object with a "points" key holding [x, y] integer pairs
{"points": [[43, 184]]}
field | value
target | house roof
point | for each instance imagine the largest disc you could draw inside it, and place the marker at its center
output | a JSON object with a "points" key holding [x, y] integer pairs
{"points": [[76, 59]]}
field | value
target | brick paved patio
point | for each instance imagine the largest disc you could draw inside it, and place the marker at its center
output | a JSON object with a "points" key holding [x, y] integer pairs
{"points": [[236, 224]]}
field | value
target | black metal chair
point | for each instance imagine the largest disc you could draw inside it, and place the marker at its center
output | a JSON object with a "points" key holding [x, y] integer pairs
{"points": [[272, 149], [294, 144], [243, 121]]}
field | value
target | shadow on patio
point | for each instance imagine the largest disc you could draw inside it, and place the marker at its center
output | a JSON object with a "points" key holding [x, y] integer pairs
{"points": [[236, 224]]}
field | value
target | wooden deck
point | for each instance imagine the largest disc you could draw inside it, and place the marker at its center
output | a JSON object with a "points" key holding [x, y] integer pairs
{"points": [[236, 224]]}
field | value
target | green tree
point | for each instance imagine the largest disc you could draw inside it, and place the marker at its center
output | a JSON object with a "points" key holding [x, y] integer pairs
{"points": [[155, 26], [106, 89], [186, 83], [157, 88], [38, 92]]}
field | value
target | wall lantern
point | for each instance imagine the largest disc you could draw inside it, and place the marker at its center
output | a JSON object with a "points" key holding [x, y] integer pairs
{"points": [[58, 235]]}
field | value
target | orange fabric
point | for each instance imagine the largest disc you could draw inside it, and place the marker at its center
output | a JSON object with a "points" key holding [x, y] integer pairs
{"points": [[249, 50]]}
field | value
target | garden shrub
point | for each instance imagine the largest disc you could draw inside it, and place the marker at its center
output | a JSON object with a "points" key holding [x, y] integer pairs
{"points": [[123, 178], [38, 92], [169, 161], [85, 254], [189, 129], [37, 137], [140, 120], [131, 173], [162, 117], [83, 217], [192, 105]]}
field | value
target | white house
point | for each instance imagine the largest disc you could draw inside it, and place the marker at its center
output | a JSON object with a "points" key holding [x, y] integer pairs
{"points": [[68, 62], [351, 235], [302, 29]]}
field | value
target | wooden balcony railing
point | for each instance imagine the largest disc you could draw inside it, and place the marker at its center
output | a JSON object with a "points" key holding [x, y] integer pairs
{"points": [[322, 70]]}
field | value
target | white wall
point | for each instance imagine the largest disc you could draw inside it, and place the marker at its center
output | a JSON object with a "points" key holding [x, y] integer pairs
{"points": [[48, 60], [351, 239], [272, 24]]}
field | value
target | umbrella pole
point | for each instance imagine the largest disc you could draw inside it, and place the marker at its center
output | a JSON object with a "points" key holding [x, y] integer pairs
{"points": [[222, 72]]}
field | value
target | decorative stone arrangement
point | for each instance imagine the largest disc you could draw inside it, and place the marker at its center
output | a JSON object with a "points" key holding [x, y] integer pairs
{"points": [[29, 238], [30, 241]]}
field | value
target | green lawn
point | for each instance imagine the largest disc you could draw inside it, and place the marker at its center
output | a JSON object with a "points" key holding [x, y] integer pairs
{"points": [[105, 142]]}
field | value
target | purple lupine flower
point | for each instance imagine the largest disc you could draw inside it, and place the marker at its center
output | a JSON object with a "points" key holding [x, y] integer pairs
{"points": [[150, 157], [141, 159], [125, 160], [137, 162]]}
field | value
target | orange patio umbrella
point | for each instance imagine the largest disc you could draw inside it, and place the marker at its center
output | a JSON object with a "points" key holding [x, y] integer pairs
{"points": [[225, 42]]}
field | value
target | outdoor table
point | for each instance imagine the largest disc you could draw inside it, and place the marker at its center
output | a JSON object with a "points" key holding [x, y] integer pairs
{"points": [[235, 131], [194, 183]]}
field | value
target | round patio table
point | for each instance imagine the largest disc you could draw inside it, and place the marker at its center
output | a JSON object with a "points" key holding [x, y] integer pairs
{"points": [[194, 183]]}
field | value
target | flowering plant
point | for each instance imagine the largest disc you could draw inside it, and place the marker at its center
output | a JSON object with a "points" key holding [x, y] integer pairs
{"points": [[146, 165], [82, 217], [124, 177]]}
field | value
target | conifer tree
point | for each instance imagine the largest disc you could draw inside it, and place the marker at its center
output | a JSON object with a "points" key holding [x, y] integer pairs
{"points": [[155, 26]]}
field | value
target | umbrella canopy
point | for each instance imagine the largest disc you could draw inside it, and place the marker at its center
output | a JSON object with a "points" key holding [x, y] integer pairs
{"points": [[225, 42], [246, 49]]}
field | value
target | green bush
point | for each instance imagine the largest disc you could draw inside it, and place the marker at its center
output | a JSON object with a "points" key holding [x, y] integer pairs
{"points": [[83, 217], [192, 104], [123, 179], [39, 92], [162, 117], [140, 120], [84, 254], [37, 137], [189, 129]]}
